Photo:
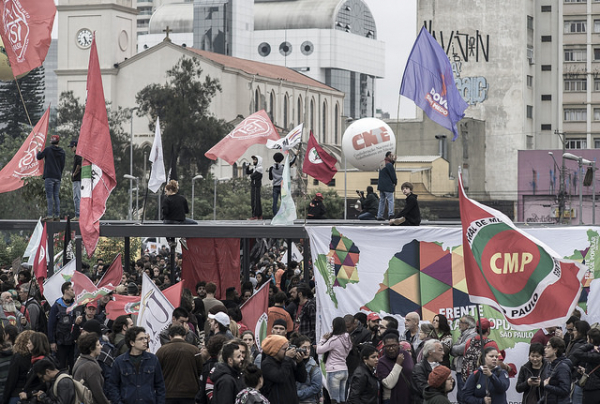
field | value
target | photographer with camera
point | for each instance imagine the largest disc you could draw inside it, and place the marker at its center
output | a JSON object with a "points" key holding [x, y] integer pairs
{"points": [[310, 390], [336, 346], [282, 367], [369, 204]]}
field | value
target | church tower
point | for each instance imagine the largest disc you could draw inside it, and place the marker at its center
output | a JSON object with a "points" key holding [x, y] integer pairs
{"points": [[113, 21]]}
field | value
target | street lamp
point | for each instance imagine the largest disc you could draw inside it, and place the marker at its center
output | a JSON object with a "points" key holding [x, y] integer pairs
{"points": [[583, 162], [197, 177], [215, 196], [131, 165], [137, 190]]}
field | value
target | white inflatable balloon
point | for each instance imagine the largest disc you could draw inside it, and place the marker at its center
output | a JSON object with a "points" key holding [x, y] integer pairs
{"points": [[366, 142]]}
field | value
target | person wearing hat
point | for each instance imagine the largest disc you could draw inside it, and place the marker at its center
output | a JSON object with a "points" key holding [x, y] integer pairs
{"points": [[76, 177], [439, 383], [316, 208], [255, 171], [373, 321], [282, 367], [219, 324], [54, 164]]}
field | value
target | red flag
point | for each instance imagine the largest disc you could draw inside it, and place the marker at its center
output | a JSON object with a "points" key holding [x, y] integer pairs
{"points": [[255, 129], [25, 28], [84, 289], [318, 163], [98, 177], [24, 163], [40, 265], [254, 313], [514, 272], [123, 305], [212, 258], [112, 276]]}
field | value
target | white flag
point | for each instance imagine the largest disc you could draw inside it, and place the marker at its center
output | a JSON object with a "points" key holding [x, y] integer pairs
{"points": [[287, 211], [52, 285], [34, 242], [157, 174], [290, 141], [296, 254], [155, 312]]}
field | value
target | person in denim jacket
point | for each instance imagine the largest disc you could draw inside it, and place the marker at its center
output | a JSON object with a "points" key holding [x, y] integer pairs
{"points": [[136, 375]]}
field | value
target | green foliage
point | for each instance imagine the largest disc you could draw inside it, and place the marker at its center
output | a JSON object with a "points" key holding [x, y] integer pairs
{"points": [[12, 246], [188, 130], [108, 248], [12, 112]]}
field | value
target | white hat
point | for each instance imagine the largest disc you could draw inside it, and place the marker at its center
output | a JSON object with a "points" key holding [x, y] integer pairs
{"points": [[220, 318]]}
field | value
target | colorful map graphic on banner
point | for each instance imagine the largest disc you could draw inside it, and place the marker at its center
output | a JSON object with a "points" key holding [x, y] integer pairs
{"points": [[338, 267]]}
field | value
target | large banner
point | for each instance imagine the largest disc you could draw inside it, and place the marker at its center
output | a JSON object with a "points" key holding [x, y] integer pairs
{"points": [[398, 270]]}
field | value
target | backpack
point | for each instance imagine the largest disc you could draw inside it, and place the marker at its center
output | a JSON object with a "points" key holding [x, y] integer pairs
{"points": [[471, 356], [109, 352], [42, 325], [83, 395]]}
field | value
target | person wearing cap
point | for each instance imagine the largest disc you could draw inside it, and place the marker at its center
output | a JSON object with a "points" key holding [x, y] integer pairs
{"points": [[439, 383], [373, 321], [255, 171], [219, 324], [76, 177], [316, 208], [54, 164], [92, 326], [282, 367]]}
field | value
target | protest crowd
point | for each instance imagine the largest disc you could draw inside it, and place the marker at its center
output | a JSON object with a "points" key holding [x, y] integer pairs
{"points": [[59, 352]]}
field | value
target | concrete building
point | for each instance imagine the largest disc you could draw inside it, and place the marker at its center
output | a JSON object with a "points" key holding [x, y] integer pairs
{"points": [[490, 47]]}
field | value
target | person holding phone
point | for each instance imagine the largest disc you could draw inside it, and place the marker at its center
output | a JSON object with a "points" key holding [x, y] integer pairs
{"points": [[536, 369]]}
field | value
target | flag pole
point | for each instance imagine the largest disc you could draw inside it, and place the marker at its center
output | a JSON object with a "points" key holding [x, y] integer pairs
{"points": [[144, 206]]}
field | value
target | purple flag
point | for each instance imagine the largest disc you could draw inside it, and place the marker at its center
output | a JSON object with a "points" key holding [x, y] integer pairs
{"points": [[429, 82]]}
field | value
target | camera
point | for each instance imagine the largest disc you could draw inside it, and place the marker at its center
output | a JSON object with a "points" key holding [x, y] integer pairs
{"points": [[301, 350], [291, 347]]}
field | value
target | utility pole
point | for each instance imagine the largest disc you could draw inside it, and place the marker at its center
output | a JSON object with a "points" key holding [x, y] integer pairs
{"points": [[563, 170]]}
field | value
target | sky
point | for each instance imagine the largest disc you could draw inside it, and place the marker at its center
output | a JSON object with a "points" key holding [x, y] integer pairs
{"points": [[396, 22], [396, 26]]}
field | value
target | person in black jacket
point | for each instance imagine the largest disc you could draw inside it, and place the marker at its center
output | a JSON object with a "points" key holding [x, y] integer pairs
{"points": [[557, 386], [369, 204], [174, 208], [316, 208], [54, 164], [282, 367], [255, 171], [578, 339], [364, 385], [227, 376], [386, 185], [531, 375], [590, 355], [411, 214]]}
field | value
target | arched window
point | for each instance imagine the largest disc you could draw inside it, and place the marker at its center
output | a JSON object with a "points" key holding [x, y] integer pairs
{"points": [[300, 111], [312, 115], [234, 173], [272, 106], [285, 111], [324, 123], [335, 124], [257, 100]]}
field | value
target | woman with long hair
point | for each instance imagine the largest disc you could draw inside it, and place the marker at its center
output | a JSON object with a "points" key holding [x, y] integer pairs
{"points": [[337, 344], [174, 208], [442, 332], [250, 341], [39, 348], [488, 384], [20, 364], [309, 391]]}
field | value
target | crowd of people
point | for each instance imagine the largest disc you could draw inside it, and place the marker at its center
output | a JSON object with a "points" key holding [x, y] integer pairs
{"points": [[209, 355]]}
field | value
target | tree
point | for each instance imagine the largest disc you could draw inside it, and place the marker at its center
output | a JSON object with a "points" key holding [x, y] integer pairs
{"points": [[12, 112], [182, 105]]}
